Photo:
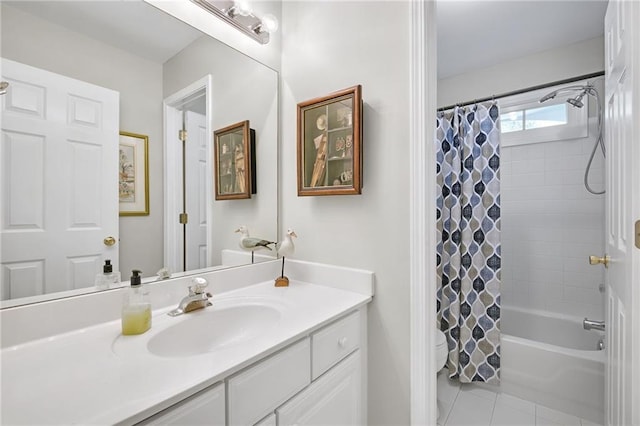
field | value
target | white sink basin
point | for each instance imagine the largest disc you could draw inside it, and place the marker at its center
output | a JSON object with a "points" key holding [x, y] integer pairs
{"points": [[213, 329]]}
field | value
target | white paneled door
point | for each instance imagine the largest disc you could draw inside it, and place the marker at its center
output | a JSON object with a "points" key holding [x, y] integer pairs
{"points": [[196, 175], [622, 103], [59, 181]]}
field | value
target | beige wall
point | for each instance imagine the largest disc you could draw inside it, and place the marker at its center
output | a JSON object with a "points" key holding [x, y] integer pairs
{"points": [[328, 46], [243, 89], [550, 65], [35, 42]]}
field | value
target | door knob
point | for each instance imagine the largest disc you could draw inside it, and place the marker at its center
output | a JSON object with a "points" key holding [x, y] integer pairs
{"points": [[594, 260], [109, 241]]}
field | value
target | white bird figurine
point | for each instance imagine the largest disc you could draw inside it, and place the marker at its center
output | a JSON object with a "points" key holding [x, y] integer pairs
{"points": [[251, 244], [285, 248]]}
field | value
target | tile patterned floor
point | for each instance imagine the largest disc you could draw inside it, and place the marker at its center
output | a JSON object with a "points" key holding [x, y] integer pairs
{"points": [[471, 405]]}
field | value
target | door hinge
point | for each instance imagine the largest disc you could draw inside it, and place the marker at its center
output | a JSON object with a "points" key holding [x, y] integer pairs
{"points": [[182, 135], [184, 218], [637, 233]]}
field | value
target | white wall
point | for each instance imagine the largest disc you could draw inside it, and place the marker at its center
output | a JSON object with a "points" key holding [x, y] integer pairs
{"points": [[551, 65], [243, 89], [328, 46], [36, 42]]}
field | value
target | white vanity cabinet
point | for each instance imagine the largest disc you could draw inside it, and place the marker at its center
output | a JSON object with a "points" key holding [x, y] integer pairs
{"points": [[318, 380], [333, 399], [258, 390], [335, 395], [206, 407], [270, 420]]}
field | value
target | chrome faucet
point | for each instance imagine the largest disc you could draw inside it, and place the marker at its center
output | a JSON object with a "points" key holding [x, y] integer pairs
{"points": [[197, 298], [588, 324]]}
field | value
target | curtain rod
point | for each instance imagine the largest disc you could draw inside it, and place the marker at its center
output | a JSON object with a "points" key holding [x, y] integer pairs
{"points": [[528, 89]]}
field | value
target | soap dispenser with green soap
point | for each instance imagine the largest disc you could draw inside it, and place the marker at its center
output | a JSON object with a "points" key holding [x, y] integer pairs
{"points": [[136, 310], [107, 278]]}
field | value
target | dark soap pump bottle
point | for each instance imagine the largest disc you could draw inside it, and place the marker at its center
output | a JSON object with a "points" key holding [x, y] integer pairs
{"points": [[107, 278], [136, 309]]}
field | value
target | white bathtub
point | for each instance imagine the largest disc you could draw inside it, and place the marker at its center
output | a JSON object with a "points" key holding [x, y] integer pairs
{"points": [[551, 360]]}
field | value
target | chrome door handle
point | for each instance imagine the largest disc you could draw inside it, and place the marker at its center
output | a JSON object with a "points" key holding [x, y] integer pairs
{"points": [[595, 260]]}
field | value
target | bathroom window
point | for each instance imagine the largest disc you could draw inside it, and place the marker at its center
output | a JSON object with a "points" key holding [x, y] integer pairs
{"points": [[534, 118], [524, 120]]}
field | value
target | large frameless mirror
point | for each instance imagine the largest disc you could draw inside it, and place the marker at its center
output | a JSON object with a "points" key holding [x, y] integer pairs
{"points": [[79, 74]]}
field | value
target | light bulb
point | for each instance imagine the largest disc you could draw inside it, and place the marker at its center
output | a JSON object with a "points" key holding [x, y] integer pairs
{"points": [[242, 8], [270, 23]]}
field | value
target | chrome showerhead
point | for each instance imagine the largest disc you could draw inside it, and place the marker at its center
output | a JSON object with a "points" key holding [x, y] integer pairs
{"points": [[577, 101], [548, 96]]}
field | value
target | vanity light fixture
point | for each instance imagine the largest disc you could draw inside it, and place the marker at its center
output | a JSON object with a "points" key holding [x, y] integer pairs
{"points": [[239, 15]]}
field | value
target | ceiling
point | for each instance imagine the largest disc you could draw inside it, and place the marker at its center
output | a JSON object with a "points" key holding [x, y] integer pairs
{"points": [[471, 33], [133, 26], [479, 33]]}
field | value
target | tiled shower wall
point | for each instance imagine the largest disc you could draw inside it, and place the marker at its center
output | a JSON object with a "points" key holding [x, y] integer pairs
{"points": [[550, 225]]}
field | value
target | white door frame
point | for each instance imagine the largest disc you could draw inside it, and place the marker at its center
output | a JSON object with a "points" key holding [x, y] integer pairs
{"points": [[172, 106], [422, 218]]}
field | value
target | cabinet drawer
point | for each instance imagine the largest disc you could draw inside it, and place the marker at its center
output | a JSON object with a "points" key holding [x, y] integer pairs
{"points": [[334, 342], [204, 408], [253, 393]]}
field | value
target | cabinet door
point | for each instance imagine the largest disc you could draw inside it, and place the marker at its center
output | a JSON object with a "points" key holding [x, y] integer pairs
{"points": [[270, 420], [333, 399], [207, 407], [256, 391]]}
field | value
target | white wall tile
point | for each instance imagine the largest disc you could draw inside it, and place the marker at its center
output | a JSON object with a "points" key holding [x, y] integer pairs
{"points": [[562, 163], [527, 166], [525, 152], [550, 224], [582, 279], [527, 179]]}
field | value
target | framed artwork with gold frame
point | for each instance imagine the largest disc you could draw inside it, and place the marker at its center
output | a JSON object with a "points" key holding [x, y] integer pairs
{"points": [[133, 174], [234, 150], [330, 144]]}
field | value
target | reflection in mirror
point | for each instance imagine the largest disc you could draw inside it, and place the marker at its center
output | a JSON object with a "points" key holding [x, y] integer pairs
{"points": [[81, 72], [234, 148]]}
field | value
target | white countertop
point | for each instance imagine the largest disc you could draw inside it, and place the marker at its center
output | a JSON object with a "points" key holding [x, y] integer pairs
{"points": [[82, 377]]}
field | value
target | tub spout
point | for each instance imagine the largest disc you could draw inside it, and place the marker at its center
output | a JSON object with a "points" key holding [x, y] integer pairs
{"points": [[593, 325]]}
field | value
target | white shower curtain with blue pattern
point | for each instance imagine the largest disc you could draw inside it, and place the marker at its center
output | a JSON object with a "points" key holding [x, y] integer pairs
{"points": [[468, 250]]}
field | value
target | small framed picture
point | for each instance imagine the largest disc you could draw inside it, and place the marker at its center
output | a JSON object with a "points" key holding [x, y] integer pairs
{"points": [[133, 185], [330, 144], [234, 153]]}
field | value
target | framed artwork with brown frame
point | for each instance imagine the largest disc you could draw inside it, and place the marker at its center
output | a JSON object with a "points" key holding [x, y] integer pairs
{"points": [[330, 144], [234, 158]]}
